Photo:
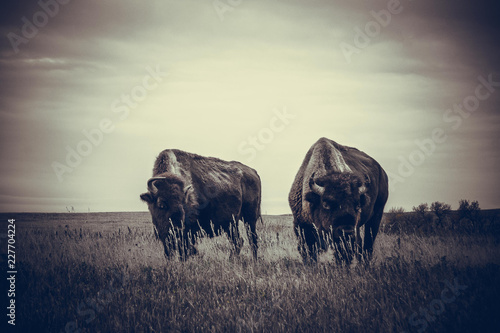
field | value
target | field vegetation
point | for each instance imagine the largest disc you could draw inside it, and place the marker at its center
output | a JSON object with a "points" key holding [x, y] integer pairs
{"points": [[105, 272]]}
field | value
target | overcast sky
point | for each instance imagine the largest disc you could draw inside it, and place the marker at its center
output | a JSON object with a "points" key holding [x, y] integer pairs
{"points": [[254, 81]]}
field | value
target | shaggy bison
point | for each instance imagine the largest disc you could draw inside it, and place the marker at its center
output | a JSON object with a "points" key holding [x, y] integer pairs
{"points": [[337, 190], [191, 196]]}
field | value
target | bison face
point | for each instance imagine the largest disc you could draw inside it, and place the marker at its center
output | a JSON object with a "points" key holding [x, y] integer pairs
{"points": [[336, 201], [166, 201]]}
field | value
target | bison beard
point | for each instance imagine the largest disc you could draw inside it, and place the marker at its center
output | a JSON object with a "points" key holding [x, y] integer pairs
{"points": [[190, 196], [336, 191]]}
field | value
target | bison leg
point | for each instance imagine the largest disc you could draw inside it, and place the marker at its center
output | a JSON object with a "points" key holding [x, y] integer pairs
{"points": [[250, 213], [185, 245], [234, 236], [343, 250], [308, 242], [180, 242], [184, 249], [190, 241], [252, 237], [166, 248], [371, 231], [169, 245], [358, 246]]}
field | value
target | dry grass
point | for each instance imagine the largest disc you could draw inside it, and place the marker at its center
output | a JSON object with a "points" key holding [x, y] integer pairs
{"points": [[106, 273]]}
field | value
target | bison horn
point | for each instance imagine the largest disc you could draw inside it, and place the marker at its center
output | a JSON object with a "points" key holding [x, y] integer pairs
{"points": [[315, 187], [151, 187]]}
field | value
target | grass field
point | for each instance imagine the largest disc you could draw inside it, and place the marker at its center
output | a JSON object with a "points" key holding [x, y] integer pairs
{"points": [[105, 272]]}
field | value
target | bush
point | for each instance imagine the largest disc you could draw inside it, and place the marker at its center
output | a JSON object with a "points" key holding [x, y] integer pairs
{"points": [[468, 210], [439, 219], [395, 220], [441, 210]]}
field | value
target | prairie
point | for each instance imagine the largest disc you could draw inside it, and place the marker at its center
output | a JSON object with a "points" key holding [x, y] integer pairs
{"points": [[105, 272]]}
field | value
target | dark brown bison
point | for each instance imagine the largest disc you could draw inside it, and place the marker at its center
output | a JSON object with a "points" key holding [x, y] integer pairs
{"points": [[191, 196], [337, 190]]}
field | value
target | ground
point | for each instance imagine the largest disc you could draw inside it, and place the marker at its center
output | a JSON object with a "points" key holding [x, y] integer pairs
{"points": [[105, 272]]}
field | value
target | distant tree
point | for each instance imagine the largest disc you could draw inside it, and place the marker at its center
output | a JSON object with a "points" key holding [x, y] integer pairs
{"points": [[421, 210], [474, 206], [395, 220], [468, 214], [467, 209], [397, 210], [421, 220], [463, 207], [441, 210]]}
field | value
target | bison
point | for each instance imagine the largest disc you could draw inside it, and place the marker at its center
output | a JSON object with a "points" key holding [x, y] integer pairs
{"points": [[337, 190], [191, 196]]}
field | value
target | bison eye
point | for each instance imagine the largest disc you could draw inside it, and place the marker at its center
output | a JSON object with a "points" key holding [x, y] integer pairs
{"points": [[161, 204], [325, 205]]}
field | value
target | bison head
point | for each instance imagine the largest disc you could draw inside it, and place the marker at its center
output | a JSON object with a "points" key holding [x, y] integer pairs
{"points": [[336, 200], [169, 201]]}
